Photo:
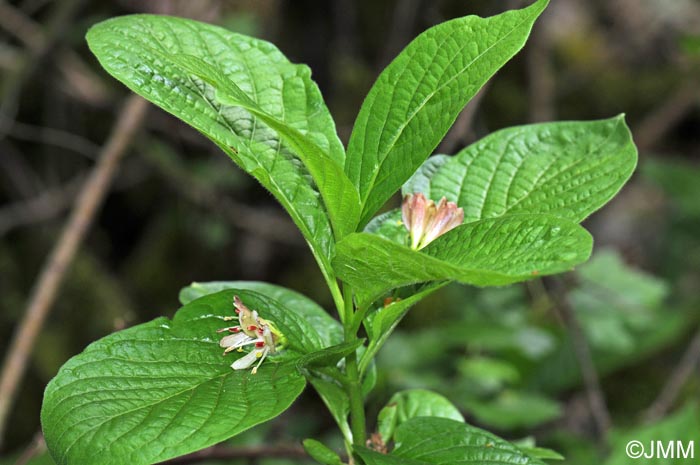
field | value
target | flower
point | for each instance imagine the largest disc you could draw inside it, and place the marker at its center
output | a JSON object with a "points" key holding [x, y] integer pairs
{"points": [[251, 330], [426, 221]]}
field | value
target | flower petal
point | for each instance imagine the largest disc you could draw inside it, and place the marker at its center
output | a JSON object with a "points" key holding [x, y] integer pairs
{"points": [[246, 361]]}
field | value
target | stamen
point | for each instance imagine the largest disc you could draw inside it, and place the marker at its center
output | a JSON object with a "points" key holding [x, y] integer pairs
{"points": [[260, 344], [262, 356], [252, 328]]}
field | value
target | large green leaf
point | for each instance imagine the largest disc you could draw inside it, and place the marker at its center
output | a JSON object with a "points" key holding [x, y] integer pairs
{"points": [[566, 169], [418, 96], [413, 403], [138, 50], [328, 328], [442, 441], [489, 252], [162, 389]]}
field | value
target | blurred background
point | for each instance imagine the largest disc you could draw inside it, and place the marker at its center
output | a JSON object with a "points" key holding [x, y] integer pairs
{"points": [[579, 364]]}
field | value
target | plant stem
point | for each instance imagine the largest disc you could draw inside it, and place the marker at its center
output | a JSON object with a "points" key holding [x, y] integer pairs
{"points": [[357, 407]]}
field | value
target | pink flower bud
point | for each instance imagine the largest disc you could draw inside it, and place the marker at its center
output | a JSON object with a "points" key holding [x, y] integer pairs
{"points": [[425, 221]]}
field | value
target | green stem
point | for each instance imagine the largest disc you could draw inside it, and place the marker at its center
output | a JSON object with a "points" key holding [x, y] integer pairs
{"points": [[354, 387]]}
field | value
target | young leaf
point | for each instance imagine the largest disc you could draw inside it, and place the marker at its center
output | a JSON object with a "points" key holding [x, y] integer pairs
{"points": [[491, 252], [162, 389], [565, 169], [138, 51], [413, 403], [327, 327], [320, 453], [419, 95]]}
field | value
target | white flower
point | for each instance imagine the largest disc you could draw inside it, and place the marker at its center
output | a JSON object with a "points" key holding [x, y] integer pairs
{"points": [[251, 330]]}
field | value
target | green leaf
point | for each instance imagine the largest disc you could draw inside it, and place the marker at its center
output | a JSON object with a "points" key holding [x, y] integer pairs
{"points": [[162, 389], [565, 169], [413, 403], [489, 252], [322, 454], [138, 51], [442, 441], [419, 95], [340, 196], [330, 330]]}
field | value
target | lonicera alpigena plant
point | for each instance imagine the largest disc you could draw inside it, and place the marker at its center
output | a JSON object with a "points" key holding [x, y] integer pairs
{"points": [[502, 210]]}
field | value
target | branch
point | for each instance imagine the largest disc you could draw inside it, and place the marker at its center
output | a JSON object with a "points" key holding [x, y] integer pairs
{"points": [[250, 452], [54, 270], [594, 392], [683, 371]]}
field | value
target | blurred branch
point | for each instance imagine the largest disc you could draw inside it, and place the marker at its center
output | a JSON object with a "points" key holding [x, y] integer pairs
{"points": [[460, 132], [656, 125], [19, 25], [55, 137], [594, 392], [54, 270], [250, 452], [39, 43], [46, 205], [686, 367]]}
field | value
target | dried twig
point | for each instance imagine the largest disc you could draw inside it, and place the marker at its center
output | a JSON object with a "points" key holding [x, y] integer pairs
{"points": [[686, 367], [250, 452], [594, 392], [53, 272]]}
